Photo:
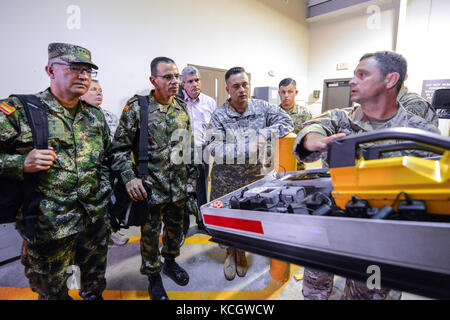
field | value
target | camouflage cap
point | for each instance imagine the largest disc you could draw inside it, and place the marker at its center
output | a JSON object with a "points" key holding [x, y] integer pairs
{"points": [[70, 53]]}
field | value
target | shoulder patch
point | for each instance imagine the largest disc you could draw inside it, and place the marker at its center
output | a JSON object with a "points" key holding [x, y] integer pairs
{"points": [[320, 115], [132, 100], [126, 108], [180, 101], [6, 108]]}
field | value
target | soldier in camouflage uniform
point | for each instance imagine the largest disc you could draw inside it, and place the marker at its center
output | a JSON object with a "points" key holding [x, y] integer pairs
{"points": [[375, 86], [73, 226], [287, 89], [241, 119], [170, 180], [417, 105]]}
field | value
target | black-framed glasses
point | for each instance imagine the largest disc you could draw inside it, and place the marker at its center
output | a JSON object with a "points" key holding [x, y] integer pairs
{"points": [[169, 77], [77, 69]]}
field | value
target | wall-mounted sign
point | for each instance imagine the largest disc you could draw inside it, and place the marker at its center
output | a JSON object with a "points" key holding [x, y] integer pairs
{"points": [[429, 86], [342, 66]]}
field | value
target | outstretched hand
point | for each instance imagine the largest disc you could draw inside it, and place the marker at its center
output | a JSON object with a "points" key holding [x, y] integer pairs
{"points": [[314, 141]]}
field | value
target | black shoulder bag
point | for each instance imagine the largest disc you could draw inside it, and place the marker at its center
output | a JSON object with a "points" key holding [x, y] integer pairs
{"points": [[124, 211], [25, 194]]}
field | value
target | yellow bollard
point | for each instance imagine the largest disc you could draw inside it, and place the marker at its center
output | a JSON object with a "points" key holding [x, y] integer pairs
{"points": [[284, 162], [280, 270], [284, 155]]}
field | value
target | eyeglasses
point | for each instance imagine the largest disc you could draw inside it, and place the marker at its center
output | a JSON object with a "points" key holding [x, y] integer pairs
{"points": [[169, 77], [77, 69]]}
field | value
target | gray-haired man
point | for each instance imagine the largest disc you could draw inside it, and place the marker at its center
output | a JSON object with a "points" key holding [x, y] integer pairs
{"points": [[200, 108]]}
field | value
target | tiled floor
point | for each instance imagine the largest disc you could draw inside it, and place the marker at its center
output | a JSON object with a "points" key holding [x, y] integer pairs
{"points": [[202, 259]]}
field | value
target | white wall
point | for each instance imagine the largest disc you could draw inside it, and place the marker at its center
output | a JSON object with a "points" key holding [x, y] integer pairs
{"points": [[425, 41], [346, 38], [124, 36]]}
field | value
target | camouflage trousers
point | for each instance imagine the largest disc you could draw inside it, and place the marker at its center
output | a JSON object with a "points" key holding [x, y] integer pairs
{"points": [[226, 178], [317, 285], [171, 214], [47, 262]]}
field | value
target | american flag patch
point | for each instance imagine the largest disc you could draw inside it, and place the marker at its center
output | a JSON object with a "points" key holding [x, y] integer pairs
{"points": [[6, 108]]}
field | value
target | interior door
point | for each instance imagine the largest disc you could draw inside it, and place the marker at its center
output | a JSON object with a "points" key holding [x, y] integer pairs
{"points": [[213, 82]]}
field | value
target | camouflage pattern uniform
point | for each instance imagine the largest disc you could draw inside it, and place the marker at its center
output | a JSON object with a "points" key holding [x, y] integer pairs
{"points": [[318, 284], [111, 120], [353, 120], [299, 115], [417, 105], [76, 191], [169, 180], [259, 116]]}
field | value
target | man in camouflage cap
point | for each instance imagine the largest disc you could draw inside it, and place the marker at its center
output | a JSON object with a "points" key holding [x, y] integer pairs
{"points": [[239, 131], [287, 90], [73, 227], [375, 86], [70, 53], [169, 179]]}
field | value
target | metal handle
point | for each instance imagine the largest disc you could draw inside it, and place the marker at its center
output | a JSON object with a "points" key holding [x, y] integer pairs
{"points": [[342, 152]]}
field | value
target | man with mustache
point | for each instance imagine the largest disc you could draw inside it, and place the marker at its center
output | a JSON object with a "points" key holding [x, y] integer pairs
{"points": [[200, 107], [377, 80], [73, 183], [239, 131], [169, 180]]}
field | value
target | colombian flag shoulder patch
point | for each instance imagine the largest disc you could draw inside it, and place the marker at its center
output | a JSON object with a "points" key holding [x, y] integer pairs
{"points": [[6, 108]]}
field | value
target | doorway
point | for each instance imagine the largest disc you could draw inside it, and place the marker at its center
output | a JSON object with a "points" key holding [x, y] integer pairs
{"points": [[213, 83]]}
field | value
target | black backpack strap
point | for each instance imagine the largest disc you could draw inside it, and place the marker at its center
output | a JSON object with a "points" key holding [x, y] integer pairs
{"points": [[37, 117], [142, 161]]}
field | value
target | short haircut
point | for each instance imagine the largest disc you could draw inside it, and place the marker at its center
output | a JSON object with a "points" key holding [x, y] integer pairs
{"points": [[287, 82], [389, 62], [156, 61], [232, 71], [187, 71]]}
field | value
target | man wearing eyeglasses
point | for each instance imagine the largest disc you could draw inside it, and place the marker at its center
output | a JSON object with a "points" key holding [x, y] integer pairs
{"points": [[73, 184], [170, 180]]}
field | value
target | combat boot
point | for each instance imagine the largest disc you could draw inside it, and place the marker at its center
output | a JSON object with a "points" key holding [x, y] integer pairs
{"points": [[87, 295], [175, 272], [229, 266], [241, 263], [60, 296], [156, 288]]}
